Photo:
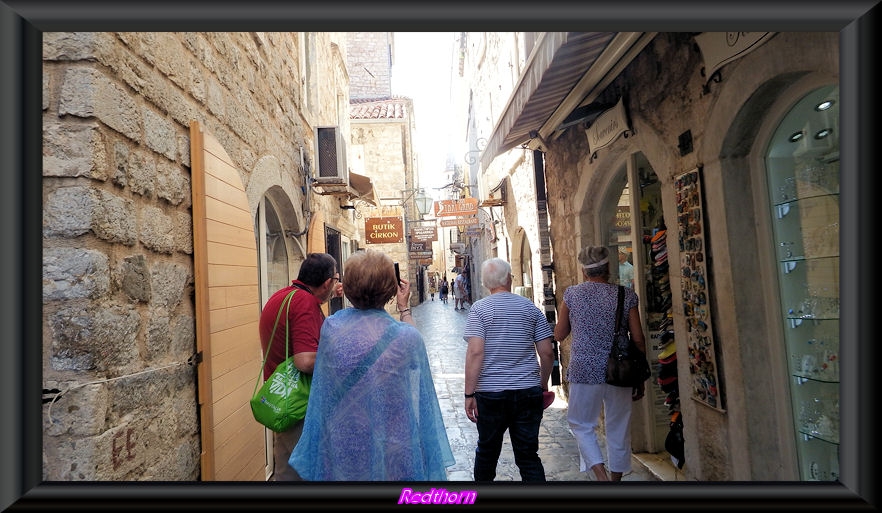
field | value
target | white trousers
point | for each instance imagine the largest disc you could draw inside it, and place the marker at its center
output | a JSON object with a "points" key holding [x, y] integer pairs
{"points": [[583, 415]]}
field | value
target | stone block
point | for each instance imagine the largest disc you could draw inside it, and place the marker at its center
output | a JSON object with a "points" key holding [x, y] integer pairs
{"points": [[87, 93], [169, 281], [96, 336], [159, 133], [74, 273], [74, 150], [156, 230]]}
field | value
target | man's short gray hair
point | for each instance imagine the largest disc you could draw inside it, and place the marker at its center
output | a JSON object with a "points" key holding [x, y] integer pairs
{"points": [[495, 273]]}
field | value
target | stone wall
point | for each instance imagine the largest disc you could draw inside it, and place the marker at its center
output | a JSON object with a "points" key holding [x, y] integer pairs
{"points": [[118, 284], [369, 62]]}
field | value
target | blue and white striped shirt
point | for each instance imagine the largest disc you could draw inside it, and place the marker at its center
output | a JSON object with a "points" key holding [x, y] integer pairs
{"points": [[510, 326]]}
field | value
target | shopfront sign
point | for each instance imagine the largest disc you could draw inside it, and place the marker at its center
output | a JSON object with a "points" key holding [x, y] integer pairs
{"points": [[608, 127], [383, 230], [720, 48]]}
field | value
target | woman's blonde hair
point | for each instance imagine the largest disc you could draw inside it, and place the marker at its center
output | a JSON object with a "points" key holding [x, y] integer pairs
{"points": [[369, 279]]}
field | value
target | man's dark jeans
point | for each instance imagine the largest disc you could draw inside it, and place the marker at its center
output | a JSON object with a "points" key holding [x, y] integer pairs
{"points": [[520, 412]]}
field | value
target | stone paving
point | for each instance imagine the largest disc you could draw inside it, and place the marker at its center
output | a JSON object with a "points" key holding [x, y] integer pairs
{"points": [[442, 328]]}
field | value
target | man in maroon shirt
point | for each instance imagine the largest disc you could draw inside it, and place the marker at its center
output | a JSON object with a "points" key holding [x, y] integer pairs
{"points": [[317, 282]]}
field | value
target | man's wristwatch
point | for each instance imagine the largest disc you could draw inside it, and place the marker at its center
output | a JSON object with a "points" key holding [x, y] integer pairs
{"points": [[469, 395]]}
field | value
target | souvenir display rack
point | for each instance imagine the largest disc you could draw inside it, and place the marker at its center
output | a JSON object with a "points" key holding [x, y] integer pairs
{"points": [[705, 383], [660, 344]]}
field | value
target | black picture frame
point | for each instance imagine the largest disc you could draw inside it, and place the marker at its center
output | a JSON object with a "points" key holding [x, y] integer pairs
{"points": [[21, 23]]}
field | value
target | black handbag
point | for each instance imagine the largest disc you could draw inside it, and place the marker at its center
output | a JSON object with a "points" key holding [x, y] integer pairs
{"points": [[627, 365]]}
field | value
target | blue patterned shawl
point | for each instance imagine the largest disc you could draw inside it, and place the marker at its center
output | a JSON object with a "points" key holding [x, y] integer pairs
{"points": [[372, 421]]}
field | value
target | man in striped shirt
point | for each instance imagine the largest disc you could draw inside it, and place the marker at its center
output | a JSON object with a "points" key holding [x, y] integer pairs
{"points": [[504, 380]]}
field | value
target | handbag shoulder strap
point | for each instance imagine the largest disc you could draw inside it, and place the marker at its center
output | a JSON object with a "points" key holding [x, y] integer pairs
{"points": [[286, 305], [619, 307]]}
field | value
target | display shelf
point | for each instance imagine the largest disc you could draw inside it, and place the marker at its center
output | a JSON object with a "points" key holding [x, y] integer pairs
{"points": [[803, 186], [832, 378], [819, 459], [817, 409], [795, 201]]}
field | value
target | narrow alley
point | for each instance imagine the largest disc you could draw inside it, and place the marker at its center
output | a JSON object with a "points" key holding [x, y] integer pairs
{"points": [[442, 328]]}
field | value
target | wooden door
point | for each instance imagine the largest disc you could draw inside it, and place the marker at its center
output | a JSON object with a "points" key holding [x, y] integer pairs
{"points": [[227, 314]]}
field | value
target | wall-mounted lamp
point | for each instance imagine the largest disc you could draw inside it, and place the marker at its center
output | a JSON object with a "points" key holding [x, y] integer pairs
{"points": [[423, 203], [356, 207]]}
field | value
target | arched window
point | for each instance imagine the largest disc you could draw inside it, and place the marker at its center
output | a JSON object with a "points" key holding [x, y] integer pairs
{"points": [[279, 248]]}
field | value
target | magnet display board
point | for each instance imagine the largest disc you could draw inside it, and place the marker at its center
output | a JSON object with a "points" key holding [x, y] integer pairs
{"points": [[703, 369]]}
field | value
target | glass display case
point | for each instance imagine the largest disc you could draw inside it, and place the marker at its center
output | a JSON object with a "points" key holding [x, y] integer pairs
{"points": [[803, 180]]}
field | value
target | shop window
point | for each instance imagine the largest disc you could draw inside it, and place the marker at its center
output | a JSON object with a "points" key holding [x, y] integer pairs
{"points": [[802, 165]]}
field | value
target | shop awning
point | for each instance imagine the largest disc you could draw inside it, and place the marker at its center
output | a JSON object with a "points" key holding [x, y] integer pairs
{"points": [[364, 188], [359, 187], [565, 71]]}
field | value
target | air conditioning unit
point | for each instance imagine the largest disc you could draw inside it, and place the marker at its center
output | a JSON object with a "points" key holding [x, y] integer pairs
{"points": [[330, 156]]}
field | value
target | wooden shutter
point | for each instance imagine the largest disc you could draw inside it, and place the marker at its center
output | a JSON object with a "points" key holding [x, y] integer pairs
{"points": [[227, 314]]}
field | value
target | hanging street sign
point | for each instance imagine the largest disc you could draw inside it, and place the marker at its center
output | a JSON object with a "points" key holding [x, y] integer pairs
{"points": [[382, 230], [424, 233], [459, 221], [460, 207]]}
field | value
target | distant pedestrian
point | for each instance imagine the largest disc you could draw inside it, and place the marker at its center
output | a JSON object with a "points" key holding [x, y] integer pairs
{"points": [[504, 380], [588, 311], [626, 270], [432, 289], [459, 292], [444, 291]]}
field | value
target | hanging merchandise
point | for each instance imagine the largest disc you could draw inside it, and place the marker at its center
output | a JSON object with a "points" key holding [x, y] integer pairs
{"points": [[555, 369], [674, 442]]}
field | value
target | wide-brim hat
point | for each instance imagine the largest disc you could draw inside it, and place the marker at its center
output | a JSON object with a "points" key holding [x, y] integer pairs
{"points": [[668, 360], [666, 380], [668, 351]]}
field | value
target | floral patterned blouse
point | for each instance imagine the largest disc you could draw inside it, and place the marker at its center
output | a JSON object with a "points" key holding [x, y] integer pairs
{"points": [[592, 310]]}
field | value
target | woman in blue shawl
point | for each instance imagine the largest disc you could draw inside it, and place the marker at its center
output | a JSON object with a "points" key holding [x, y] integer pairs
{"points": [[373, 414]]}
